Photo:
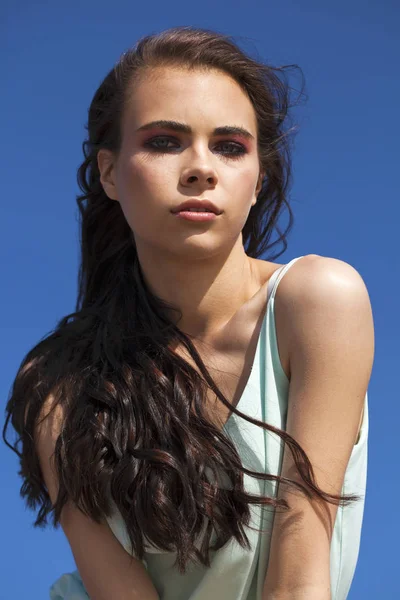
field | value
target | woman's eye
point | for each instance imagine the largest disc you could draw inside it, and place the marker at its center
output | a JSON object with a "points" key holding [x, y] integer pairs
{"points": [[237, 148], [150, 143], [159, 144]]}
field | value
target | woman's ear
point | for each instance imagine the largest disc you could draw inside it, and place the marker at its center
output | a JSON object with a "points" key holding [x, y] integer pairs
{"points": [[259, 186], [106, 165], [260, 182]]}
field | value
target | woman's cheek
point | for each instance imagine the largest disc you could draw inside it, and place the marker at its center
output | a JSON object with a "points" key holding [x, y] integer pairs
{"points": [[246, 181]]}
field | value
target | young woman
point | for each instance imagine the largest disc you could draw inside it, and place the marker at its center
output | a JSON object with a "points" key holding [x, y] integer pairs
{"points": [[198, 426]]}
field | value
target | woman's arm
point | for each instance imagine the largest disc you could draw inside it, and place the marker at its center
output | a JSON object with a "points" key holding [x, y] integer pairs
{"points": [[323, 312], [107, 570]]}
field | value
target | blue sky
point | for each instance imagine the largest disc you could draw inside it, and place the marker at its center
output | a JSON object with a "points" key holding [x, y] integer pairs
{"points": [[344, 196]]}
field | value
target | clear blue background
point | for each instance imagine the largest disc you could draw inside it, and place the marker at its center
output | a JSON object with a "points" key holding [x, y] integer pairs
{"points": [[344, 196]]}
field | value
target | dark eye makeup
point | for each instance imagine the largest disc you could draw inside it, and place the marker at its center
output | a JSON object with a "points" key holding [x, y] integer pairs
{"points": [[238, 150]]}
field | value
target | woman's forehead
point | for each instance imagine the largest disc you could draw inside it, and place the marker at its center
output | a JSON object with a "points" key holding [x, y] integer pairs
{"points": [[190, 96]]}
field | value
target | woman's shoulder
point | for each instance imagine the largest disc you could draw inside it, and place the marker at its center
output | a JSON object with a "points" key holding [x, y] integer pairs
{"points": [[316, 292], [314, 278]]}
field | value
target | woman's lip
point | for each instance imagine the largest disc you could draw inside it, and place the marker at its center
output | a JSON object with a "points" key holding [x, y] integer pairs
{"points": [[197, 203], [196, 216]]}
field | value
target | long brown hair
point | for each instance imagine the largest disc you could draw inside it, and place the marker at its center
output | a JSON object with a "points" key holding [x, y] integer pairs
{"points": [[135, 430]]}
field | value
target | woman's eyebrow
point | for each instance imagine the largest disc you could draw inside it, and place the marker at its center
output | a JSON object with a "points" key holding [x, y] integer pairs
{"points": [[184, 128]]}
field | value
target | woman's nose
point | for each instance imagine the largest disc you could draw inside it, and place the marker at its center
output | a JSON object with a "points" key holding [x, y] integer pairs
{"points": [[203, 174]]}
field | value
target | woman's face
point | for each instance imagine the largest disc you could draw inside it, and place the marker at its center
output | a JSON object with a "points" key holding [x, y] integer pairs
{"points": [[159, 167]]}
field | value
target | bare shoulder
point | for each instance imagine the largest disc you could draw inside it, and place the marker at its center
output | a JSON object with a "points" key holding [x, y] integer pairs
{"points": [[317, 293], [315, 278]]}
